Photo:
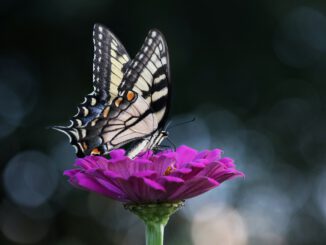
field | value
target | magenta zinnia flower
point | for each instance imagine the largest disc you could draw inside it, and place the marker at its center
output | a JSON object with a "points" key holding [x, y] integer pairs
{"points": [[167, 176]]}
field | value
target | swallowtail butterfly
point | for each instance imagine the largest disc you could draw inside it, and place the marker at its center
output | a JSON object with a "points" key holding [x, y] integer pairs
{"points": [[129, 105]]}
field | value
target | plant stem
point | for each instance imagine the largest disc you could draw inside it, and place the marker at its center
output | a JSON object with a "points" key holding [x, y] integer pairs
{"points": [[154, 233], [155, 217]]}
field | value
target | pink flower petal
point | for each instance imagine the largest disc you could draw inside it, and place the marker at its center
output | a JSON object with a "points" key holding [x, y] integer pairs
{"points": [[153, 177], [194, 187], [87, 182]]}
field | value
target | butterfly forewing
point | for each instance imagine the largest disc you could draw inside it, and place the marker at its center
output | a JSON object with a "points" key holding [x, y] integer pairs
{"points": [[147, 76]]}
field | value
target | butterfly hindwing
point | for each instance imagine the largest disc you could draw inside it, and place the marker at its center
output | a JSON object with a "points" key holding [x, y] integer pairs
{"points": [[109, 64]]}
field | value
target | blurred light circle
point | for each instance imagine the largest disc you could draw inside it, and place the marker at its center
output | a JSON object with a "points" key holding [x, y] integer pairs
{"points": [[11, 110], [14, 112], [320, 193], [63, 155], [312, 141], [21, 229], [224, 195], [30, 178], [218, 226], [291, 114], [301, 37], [16, 74], [267, 211], [42, 212]]}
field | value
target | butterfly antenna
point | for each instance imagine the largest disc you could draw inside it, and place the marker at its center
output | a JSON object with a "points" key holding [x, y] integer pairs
{"points": [[181, 123], [173, 145], [168, 124]]}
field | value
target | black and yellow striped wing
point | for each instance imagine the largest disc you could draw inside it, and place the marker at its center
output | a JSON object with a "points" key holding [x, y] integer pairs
{"points": [[110, 61], [130, 101], [141, 107]]}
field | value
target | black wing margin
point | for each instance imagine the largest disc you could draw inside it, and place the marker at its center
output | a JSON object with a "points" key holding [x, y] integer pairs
{"points": [[149, 75]]}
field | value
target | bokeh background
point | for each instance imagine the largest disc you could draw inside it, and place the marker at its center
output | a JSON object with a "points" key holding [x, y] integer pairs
{"points": [[251, 72]]}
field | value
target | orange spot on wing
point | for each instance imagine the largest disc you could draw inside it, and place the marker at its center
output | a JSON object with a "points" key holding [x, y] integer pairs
{"points": [[118, 101], [130, 95], [106, 112], [93, 123], [85, 146], [95, 151]]}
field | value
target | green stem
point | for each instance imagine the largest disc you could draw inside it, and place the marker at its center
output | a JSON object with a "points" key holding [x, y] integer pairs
{"points": [[155, 217], [154, 233]]}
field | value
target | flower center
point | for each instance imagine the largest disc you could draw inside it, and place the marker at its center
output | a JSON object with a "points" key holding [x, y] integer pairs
{"points": [[169, 169]]}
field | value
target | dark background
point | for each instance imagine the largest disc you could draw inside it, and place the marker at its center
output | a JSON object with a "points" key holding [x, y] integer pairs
{"points": [[251, 72]]}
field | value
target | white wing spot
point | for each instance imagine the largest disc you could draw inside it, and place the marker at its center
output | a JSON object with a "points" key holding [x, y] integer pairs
{"points": [[86, 111], [93, 101], [98, 68], [99, 44], [150, 41], [160, 78], [160, 46], [93, 123], [159, 94], [79, 122], [100, 36], [100, 28], [154, 34], [146, 49], [83, 133], [141, 56]]}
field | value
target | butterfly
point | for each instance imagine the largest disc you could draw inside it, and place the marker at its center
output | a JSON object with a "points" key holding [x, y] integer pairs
{"points": [[129, 105]]}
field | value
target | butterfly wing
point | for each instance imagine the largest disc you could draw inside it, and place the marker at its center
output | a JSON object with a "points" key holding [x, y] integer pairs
{"points": [[141, 108], [109, 64]]}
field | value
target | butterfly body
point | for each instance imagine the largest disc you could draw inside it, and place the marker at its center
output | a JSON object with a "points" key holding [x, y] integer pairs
{"points": [[130, 101]]}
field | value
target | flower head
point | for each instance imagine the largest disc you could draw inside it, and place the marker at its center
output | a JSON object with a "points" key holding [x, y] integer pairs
{"points": [[167, 176]]}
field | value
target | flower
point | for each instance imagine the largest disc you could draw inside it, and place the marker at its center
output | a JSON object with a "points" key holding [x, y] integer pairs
{"points": [[164, 177]]}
